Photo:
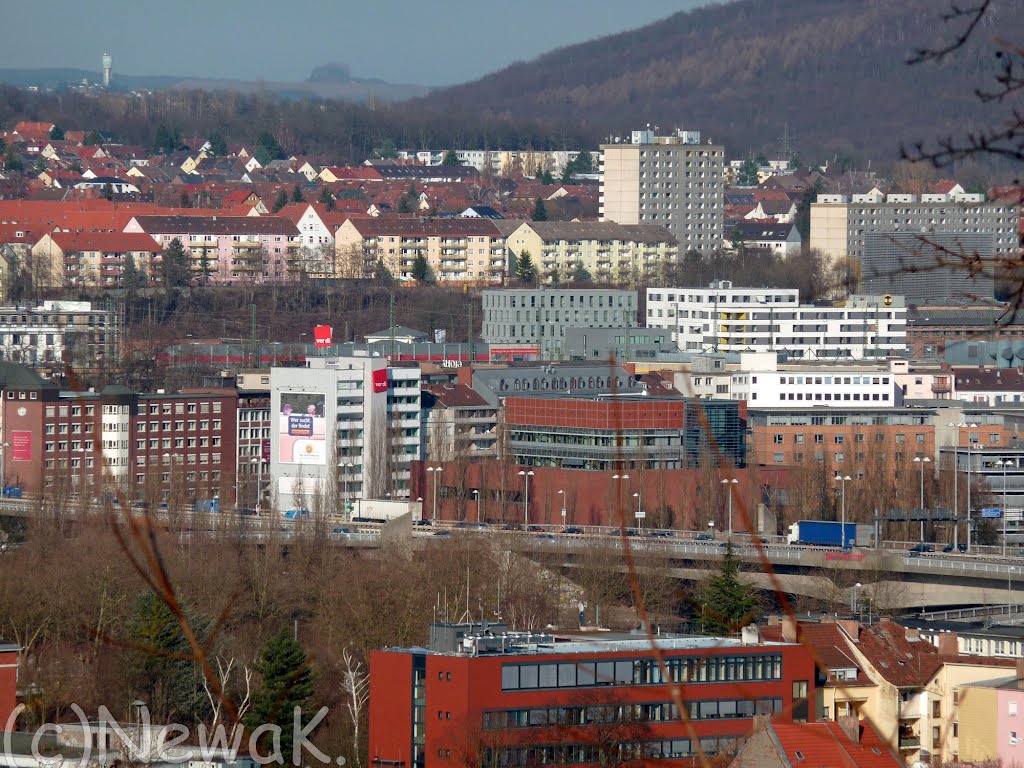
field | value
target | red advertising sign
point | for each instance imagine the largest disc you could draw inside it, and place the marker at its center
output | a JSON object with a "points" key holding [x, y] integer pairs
{"points": [[322, 335], [266, 450], [380, 380], [21, 446]]}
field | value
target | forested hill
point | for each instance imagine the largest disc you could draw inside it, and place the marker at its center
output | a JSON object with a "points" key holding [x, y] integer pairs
{"points": [[835, 70]]}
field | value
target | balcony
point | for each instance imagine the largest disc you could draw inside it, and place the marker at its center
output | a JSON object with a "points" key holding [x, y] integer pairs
{"points": [[911, 709], [942, 386], [910, 743], [246, 244]]}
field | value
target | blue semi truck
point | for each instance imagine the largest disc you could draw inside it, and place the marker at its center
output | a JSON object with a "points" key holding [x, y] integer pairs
{"points": [[827, 533]]}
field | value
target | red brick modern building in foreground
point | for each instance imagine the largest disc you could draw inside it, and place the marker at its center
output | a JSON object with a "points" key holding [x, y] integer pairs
{"points": [[515, 699], [8, 681]]}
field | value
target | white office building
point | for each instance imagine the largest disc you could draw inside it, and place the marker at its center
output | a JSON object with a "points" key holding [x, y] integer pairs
{"points": [[673, 181], [342, 429], [722, 318]]}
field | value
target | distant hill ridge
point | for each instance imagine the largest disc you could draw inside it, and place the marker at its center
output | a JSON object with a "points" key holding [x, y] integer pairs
{"points": [[834, 70]]}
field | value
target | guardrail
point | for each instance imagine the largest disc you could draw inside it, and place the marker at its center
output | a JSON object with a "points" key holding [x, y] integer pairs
{"points": [[965, 565]]}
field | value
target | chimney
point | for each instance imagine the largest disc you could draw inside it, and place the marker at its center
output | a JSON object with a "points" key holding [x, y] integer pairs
{"points": [[773, 620], [850, 627], [789, 625], [949, 646], [850, 726], [750, 635]]}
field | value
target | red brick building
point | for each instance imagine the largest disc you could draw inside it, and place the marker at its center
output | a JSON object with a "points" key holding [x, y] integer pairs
{"points": [[8, 681], [116, 441], [518, 700]]}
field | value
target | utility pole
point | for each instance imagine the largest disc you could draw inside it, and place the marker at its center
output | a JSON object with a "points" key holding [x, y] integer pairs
{"points": [[472, 345], [391, 322], [255, 349]]}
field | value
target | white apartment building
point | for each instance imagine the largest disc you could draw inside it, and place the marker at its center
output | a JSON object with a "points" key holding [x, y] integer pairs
{"points": [[342, 429], [760, 380], [722, 318], [674, 181], [839, 223]]}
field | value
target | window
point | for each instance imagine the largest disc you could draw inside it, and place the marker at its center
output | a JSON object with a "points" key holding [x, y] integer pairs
{"points": [[1013, 709]]}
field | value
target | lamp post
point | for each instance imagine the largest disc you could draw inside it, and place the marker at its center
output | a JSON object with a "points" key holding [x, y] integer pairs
{"points": [[922, 462], [853, 597], [1004, 465], [562, 494], [970, 462], [476, 500], [842, 479], [526, 474], [711, 527], [259, 482], [435, 471], [346, 469], [730, 486], [618, 477], [1009, 594], [3, 468], [639, 512]]}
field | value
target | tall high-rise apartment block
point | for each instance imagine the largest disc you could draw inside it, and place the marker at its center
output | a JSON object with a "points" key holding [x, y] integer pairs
{"points": [[674, 181]]}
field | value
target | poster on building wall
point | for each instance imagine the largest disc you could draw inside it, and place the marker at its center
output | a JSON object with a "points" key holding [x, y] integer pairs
{"points": [[21, 446], [302, 428], [380, 380]]}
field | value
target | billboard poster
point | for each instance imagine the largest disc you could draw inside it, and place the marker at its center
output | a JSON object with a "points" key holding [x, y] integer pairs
{"points": [[21, 446], [322, 335], [302, 428], [380, 380]]}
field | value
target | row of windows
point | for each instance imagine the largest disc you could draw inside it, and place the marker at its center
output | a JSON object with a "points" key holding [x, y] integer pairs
{"points": [[604, 754], [691, 669], [178, 425], [178, 408], [540, 717]]}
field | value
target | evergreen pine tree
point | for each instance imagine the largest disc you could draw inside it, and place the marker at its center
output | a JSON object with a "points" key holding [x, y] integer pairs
{"points": [[175, 265], [281, 201], [218, 146], [583, 162], [546, 177], [287, 683], [450, 158], [327, 199], [525, 269], [540, 211], [297, 196], [729, 604], [131, 278], [420, 269], [57, 133]]}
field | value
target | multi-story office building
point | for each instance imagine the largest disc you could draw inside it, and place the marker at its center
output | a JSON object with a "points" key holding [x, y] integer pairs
{"points": [[930, 270], [58, 332], [722, 318], [342, 429], [153, 446], [839, 224], [618, 253], [537, 318], [673, 181], [456, 250], [520, 699]]}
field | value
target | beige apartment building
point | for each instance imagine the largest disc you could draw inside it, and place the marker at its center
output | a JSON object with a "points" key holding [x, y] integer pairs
{"points": [[840, 223], [457, 250], [607, 251], [670, 181]]}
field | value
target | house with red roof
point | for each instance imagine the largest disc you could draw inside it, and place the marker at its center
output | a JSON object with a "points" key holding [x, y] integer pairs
{"points": [[333, 174], [316, 224], [849, 743], [945, 187], [95, 259], [34, 132]]}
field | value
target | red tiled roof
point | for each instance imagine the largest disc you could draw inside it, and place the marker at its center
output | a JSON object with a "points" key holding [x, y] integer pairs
{"points": [[826, 745], [456, 396], [943, 186], [33, 131], [110, 242], [827, 644]]}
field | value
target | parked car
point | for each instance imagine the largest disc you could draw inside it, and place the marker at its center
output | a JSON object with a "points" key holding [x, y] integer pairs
{"points": [[658, 534], [573, 529], [705, 537], [422, 521], [295, 514], [921, 548], [959, 548], [534, 529]]}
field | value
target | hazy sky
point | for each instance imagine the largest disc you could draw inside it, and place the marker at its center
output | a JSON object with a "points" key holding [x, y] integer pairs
{"points": [[406, 41]]}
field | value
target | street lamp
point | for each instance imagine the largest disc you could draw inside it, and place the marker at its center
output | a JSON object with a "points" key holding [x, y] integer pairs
{"points": [[711, 527], [618, 477], [842, 480], [562, 494], [730, 486], [526, 474], [1009, 594], [346, 469], [970, 462], [922, 462], [1004, 464], [476, 500], [956, 484], [435, 471], [3, 462], [639, 512], [853, 597], [259, 481]]}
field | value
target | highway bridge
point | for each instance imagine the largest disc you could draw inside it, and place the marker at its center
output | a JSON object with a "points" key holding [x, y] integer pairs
{"points": [[914, 581]]}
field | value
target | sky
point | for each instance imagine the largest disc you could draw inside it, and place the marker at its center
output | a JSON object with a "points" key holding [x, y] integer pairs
{"points": [[401, 41]]}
